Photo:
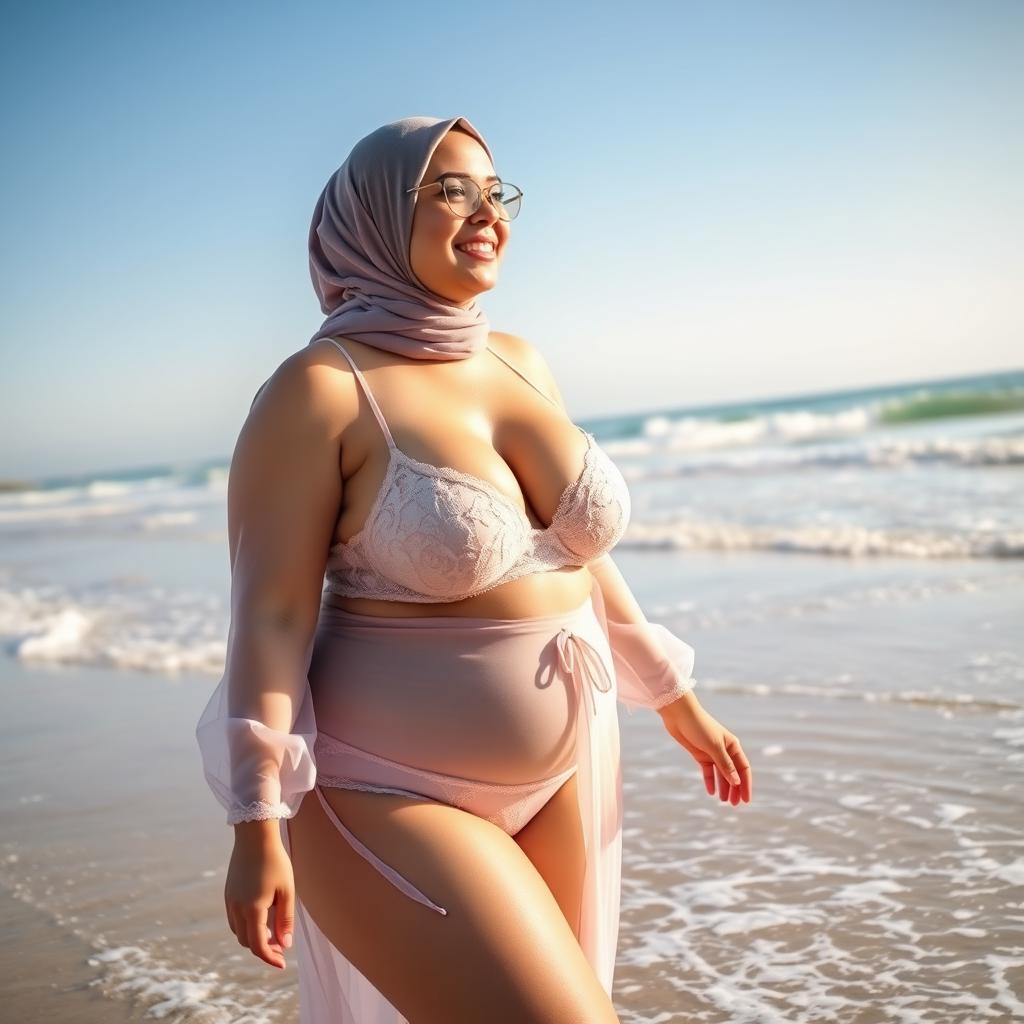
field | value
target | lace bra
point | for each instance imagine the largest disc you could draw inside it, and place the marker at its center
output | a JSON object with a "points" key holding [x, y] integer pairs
{"points": [[435, 533]]}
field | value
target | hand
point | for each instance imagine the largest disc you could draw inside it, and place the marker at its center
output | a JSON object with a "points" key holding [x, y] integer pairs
{"points": [[260, 891], [714, 748]]}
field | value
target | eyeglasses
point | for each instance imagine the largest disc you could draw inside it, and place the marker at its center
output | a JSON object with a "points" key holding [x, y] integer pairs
{"points": [[463, 196]]}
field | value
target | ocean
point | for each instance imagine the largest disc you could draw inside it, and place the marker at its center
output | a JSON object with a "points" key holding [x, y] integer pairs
{"points": [[848, 567]]}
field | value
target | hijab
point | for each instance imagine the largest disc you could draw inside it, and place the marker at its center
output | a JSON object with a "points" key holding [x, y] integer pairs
{"points": [[359, 249]]}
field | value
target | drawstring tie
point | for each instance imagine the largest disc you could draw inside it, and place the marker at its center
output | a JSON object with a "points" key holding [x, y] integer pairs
{"points": [[577, 652]]}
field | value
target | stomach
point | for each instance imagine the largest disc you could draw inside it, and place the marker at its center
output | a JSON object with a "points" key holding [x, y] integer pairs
{"points": [[543, 593]]}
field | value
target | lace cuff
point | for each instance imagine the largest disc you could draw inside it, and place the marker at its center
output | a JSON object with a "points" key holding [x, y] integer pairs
{"points": [[653, 667], [259, 810], [256, 772]]}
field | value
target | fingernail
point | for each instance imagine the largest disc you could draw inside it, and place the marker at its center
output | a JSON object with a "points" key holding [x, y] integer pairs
{"points": [[287, 940]]}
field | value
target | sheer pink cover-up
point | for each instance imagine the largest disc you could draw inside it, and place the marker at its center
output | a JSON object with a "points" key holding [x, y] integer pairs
{"points": [[489, 715], [350, 685]]}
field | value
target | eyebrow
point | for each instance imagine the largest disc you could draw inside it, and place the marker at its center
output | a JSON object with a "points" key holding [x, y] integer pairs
{"points": [[465, 174]]}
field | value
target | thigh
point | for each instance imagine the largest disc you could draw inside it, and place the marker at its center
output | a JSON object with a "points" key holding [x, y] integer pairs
{"points": [[504, 952], [553, 841]]}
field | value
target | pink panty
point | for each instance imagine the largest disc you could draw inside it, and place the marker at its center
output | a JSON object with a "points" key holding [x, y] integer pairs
{"points": [[510, 807]]}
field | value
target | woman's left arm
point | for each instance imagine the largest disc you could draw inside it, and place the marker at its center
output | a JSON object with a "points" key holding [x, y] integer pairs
{"points": [[652, 669]]}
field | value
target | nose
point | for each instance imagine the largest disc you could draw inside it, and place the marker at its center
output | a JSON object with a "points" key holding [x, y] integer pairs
{"points": [[486, 212]]}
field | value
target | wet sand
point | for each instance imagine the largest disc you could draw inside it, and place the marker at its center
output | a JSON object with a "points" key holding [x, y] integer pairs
{"points": [[876, 876]]}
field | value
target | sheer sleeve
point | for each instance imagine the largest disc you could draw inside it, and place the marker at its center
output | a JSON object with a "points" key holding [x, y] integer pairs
{"points": [[254, 771], [653, 667], [257, 732]]}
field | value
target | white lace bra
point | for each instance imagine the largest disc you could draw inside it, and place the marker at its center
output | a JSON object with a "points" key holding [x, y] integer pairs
{"points": [[435, 533]]}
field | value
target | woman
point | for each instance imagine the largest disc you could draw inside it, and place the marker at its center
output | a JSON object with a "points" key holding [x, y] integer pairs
{"points": [[450, 698]]}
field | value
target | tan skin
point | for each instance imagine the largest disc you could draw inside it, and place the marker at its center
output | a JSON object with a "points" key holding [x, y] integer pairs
{"points": [[311, 457]]}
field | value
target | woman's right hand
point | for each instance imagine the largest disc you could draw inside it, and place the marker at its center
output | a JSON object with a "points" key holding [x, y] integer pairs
{"points": [[259, 891]]}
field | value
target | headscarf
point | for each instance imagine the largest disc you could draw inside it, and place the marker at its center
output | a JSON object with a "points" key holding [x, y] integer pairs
{"points": [[359, 249]]}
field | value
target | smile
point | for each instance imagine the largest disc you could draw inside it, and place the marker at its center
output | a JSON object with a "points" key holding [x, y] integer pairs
{"points": [[486, 255]]}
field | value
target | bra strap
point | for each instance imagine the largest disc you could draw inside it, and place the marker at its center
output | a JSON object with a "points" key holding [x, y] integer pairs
{"points": [[523, 375], [366, 391]]}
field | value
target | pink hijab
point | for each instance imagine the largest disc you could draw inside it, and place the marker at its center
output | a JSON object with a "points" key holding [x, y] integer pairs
{"points": [[359, 249]]}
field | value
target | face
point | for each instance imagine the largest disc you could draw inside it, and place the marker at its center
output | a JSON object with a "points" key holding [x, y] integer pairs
{"points": [[436, 231]]}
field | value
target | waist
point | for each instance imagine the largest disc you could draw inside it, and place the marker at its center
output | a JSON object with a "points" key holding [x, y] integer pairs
{"points": [[339, 618], [550, 593]]}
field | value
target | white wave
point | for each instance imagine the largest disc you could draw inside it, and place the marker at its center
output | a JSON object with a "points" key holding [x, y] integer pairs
{"points": [[935, 698], [697, 434], [130, 627], [64, 513], [159, 520], [869, 452], [849, 541]]}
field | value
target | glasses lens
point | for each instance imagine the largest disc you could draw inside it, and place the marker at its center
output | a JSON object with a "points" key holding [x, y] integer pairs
{"points": [[463, 195], [507, 199]]}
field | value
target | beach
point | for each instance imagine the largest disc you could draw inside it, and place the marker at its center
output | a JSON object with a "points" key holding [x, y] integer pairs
{"points": [[879, 694]]}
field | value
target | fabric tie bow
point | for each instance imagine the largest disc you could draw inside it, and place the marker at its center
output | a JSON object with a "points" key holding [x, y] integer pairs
{"points": [[582, 660]]}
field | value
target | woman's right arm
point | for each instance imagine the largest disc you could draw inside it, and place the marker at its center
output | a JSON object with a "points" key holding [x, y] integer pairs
{"points": [[257, 731]]}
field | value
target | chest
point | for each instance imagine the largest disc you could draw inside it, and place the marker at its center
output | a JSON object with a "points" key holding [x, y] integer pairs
{"points": [[492, 431], [457, 489]]}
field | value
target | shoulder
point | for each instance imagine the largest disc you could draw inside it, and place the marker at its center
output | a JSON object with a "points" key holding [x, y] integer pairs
{"points": [[308, 387], [526, 357]]}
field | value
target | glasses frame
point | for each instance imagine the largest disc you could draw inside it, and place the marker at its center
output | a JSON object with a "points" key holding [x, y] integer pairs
{"points": [[480, 198]]}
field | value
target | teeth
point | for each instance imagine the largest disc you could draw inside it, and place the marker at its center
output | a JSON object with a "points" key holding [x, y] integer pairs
{"points": [[477, 247]]}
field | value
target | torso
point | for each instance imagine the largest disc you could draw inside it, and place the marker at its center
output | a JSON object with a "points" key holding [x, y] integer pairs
{"points": [[477, 416]]}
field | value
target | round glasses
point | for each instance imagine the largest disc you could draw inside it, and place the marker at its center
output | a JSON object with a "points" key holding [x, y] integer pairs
{"points": [[463, 196]]}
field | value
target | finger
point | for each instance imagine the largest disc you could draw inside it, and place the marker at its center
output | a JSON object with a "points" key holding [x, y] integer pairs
{"points": [[727, 767], [284, 917], [256, 924], [747, 784], [723, 784], [723, 787], [708, 769], [273, 942], [742, 766], [241, 930]]}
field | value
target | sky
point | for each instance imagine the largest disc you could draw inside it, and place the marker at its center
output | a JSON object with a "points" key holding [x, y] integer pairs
{"points": [[723, 200]]}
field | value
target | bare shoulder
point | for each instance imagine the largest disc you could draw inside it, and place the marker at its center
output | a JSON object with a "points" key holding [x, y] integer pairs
{"points": [[312, 389], [528, 358]]}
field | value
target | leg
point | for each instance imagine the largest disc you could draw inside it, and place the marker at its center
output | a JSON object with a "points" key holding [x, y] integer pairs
{"points": [[503, 952], [553, 840]]}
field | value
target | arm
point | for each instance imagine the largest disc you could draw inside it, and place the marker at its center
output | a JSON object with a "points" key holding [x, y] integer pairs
{"points": [[257, 731], [653, 666]]}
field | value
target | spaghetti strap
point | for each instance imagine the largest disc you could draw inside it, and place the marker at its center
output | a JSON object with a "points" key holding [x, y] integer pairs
{"points": [[523, 375], [366, 390]]}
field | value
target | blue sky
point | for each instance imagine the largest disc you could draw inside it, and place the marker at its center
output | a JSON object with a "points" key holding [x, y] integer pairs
{"points": [[722, 200]]}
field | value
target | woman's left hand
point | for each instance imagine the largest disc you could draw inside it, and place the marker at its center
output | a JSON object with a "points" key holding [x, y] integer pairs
{"points": [[714, 748]]}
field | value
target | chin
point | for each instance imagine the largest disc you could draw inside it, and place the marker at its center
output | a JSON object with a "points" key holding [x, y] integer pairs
{"points": [[481, 281], [486, 287]]}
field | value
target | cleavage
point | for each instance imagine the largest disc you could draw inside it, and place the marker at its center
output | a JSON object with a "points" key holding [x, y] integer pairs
{"points": [[373, 481]]}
